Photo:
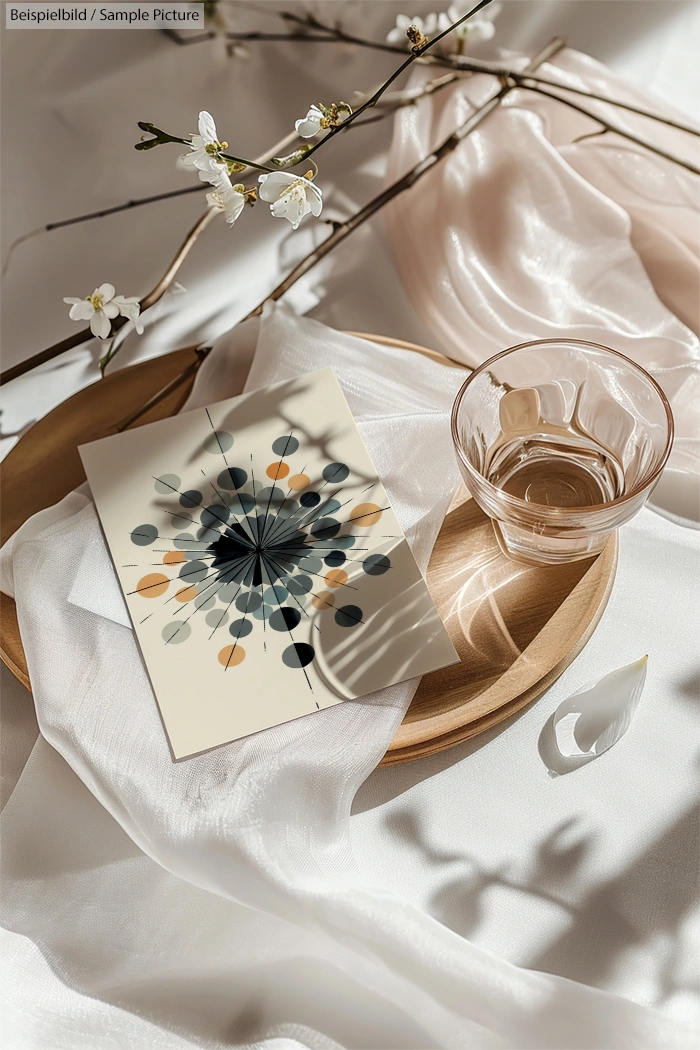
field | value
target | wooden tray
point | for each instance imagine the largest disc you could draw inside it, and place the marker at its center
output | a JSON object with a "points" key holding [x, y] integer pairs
{"points": [[515, 627]]}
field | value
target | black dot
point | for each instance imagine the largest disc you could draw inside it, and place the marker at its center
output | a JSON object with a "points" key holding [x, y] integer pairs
{"points": [[232, 478], [240, 628], [335, 558], [284, 619], [143, 535], [348, 616], [300, 654], [376, 564], [191, 498], [310, 499], [335, 473]]}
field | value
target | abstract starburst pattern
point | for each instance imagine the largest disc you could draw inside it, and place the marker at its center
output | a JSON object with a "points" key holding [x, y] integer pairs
{"points": [[264, 570], [259, 552]]}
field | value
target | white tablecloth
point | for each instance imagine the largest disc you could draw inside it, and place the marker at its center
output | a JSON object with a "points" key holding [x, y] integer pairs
{"points": [[592, 875]]}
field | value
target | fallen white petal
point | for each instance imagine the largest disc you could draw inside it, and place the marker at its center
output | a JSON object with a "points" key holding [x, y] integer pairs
{"points": [[594, 718]]}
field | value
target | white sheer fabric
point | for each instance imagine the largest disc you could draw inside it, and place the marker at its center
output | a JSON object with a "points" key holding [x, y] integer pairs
{"points": [[290, 926]]}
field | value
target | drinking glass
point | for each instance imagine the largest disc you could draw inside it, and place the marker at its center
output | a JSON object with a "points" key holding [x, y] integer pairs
{"points": [[560, 442]]}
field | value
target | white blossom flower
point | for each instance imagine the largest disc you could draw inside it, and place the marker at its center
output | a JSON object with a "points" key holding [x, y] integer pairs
{"points": [[475, 29], [99, 309], [205, 149], [228, 199], [130, 307], [310, 125], [290, 196], [427, 27]]}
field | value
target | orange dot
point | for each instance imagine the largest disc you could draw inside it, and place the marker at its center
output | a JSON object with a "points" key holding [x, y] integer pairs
{"points": [[336, 578], [299, 482], [324, 600], [366, 514], [153, 585], [277, 470], [231, 655], [173, 557], [186, 594]]}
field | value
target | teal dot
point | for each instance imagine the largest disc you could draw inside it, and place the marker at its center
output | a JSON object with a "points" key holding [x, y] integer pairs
{"points": [[300, 654], [325, 528], [276, 595], [167, 484], [179, 521], [175, 632], [249, 602], [311, 564], [376, 564], [184, 540], [144, 535], [232, 478], [228, 592], [334, 473], [214, 516], [191, 498], [285, 619], [285, 446], [218, 442], [343, 541], [193, 571], [299, 584], [348, 616], [245, 501], [204, 601], [240, 628]]}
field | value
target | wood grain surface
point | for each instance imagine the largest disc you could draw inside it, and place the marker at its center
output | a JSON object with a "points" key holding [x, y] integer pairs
{"points": [[516, 627]]}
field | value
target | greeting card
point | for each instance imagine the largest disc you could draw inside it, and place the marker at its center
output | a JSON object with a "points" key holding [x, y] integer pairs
{"points": [[265, 573]]}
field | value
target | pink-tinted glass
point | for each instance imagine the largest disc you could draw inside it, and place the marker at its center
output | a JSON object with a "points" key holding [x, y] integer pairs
{"points": [[560, 442]]}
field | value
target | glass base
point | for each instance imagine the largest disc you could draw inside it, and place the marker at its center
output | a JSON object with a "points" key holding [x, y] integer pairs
{"points": [[524, 545]]}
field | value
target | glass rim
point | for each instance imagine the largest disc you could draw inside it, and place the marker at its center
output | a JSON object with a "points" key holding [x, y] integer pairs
{"points": [[557, 513]]}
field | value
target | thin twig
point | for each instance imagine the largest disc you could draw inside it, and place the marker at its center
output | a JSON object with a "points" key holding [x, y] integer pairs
{"points": [[613, 128], [591, 135], [408, 180], [283, 143], [609, 101], [85, 334], [390, 104], [343, 230], [161, 137], [201, 352], [416, 53], [337, 35], [183, 41]]}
